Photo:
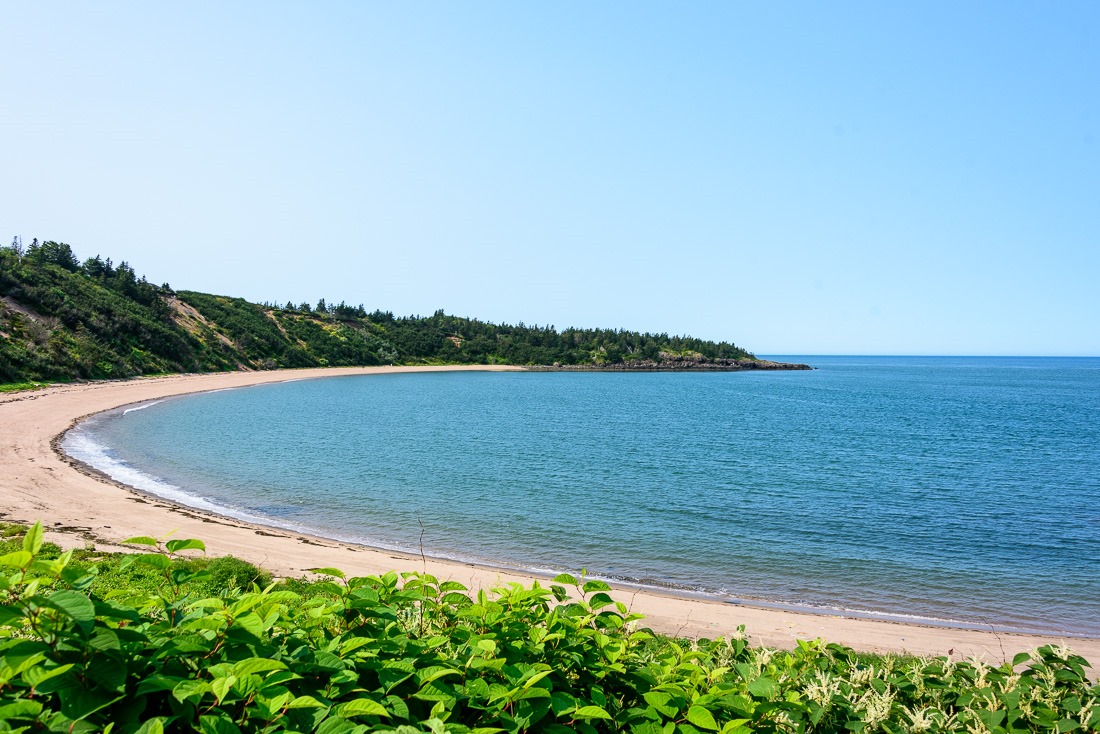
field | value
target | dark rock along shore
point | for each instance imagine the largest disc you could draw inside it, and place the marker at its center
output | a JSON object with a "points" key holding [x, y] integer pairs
{"points": [[676, 364]]}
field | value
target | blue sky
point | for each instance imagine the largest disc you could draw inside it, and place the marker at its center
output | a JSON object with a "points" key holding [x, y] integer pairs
{"points": [[798, 178]]}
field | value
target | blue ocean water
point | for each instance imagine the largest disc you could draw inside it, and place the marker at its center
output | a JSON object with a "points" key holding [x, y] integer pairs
{"points": [[964, 490]]}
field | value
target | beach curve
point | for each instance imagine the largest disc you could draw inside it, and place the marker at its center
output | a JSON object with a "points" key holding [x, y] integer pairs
{"points": [[78, 505]]}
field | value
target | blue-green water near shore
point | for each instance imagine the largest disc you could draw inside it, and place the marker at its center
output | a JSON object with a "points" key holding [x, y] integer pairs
{"points": [[959, 490]]}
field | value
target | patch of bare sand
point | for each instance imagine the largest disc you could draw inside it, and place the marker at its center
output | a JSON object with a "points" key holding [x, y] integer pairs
{"points": [[37, 482]]}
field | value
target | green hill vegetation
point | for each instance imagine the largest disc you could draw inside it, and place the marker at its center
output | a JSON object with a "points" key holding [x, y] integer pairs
{"points": [[63, 319], [157, 642]]}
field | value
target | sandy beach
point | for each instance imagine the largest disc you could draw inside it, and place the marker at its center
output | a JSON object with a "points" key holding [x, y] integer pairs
{"points": [[79, 507]]}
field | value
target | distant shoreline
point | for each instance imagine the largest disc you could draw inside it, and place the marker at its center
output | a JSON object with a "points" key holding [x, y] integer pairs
{"points": [[79, 507], [681, 364]]}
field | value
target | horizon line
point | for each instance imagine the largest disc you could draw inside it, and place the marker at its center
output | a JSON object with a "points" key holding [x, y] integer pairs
{"points": [[953, 356]]}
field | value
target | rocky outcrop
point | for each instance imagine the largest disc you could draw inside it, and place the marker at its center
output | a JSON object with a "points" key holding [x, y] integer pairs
{"points": [[675, 364]]}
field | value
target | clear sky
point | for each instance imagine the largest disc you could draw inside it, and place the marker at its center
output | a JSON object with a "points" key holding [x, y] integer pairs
{"points": [[797, 177]]}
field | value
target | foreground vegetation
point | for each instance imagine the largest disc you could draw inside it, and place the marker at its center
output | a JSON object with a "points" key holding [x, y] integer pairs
{"points": [[63, 319], [156, 642]]}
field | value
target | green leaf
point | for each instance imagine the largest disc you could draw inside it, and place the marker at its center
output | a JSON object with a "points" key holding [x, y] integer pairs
{"points": [[9, 614], [1020, 658], [18, 655], [305, 702], [435, 691], [361, 707], [112, 610], [79, 703], [190, 690], [764, 687], [152, 726], [590, 586], [20, 709], [32, 541], [536, 678], [328, 572], [591, 712], [390, 678], [175, 546], [251, 624], [36, 676], [156, 560], [220, 687], [141, 540], [257, 665], [435, 672], [702, 718], [245, 603], [220, 724], [660, 700], [601, 600], [16, 559], [338, 725], [157, 682], [75, 605], [565, 578], [447, 586], [399, 708], [530, 693]]}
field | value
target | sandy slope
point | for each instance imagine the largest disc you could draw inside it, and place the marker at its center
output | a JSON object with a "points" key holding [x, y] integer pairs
{"points": [[38, 483]]}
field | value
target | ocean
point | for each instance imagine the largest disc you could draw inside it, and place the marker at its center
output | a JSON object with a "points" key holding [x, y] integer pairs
{"points": [[949, 490]]}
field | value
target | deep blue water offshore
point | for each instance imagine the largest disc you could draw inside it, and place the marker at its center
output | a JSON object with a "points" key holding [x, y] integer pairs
{"points": [[965, 490]]}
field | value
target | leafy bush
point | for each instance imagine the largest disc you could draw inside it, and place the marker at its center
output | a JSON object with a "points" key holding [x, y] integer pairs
{"points": [[411, 654]]}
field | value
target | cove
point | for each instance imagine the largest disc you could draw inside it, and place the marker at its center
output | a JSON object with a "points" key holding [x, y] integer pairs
{"points": [[940, 489]]}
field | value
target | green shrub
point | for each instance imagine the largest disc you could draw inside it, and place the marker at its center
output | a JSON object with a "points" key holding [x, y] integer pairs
{"points": [[410, 654], [229, 574]]}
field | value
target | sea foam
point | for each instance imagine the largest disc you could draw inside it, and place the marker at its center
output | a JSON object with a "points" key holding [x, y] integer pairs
{"points": [[143, 406], [81, 446]]}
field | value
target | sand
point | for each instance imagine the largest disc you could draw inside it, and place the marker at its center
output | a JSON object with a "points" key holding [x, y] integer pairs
{"points": [[78, 507]]}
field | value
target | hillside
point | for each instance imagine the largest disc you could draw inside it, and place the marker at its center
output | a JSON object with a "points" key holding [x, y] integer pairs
{"points": [[63, 319]]}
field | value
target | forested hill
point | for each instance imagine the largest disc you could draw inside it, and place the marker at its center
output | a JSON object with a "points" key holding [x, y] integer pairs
{"points": [[63, 319]]}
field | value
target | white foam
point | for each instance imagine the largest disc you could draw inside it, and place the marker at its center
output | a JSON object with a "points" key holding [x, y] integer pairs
{"points": [[79, 445], [143, 406]]}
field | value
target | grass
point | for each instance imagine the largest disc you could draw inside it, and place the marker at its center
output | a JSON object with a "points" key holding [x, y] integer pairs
{"points": [[21, 386]]}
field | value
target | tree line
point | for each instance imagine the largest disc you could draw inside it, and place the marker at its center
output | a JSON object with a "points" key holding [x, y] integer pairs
{"points": [[62, 318]]}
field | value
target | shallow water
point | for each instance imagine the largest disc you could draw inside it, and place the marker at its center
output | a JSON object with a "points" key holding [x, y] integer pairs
{"points": [[958, 489]]}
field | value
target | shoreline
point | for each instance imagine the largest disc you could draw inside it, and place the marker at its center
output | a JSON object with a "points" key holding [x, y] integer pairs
{"points": [[224, 514], [79, 504]]}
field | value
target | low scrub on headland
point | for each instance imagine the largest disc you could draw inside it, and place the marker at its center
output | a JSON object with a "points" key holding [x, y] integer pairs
{"points": [[158, 642], [63, 319]]}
